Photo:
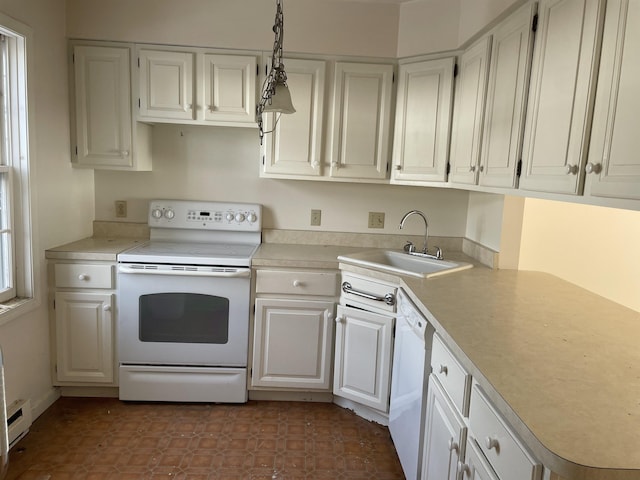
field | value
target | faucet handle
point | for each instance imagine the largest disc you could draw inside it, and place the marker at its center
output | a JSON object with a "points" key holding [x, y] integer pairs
{"points": [[439, 255], [409, 247]]}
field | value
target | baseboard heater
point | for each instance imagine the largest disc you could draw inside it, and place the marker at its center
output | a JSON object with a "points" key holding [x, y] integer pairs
{"points": [[18, 420]]}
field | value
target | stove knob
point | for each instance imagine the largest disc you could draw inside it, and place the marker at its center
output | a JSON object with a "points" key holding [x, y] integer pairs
{"points": [[156, 213], [240, 217], [252, 217], [168, 213], [230, 216]]}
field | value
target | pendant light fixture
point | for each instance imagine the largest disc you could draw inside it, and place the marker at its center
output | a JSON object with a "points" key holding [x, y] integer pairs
{"points": [[275, 96]]}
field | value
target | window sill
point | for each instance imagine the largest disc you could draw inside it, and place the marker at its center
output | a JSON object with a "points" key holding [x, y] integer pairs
{"points": [[15, 308]]}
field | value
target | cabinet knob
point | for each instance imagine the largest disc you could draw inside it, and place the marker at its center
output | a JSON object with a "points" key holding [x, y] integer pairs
{"points": [[339, 319], [481, 168], [335, 165], [124, 153], [315, 164], [107, 308], [297, 283], [491, 443], [330, 315], [463, 468], [453, 446], [83, 276], [593, 168], [571, 169], [443, 369], [472, 168], [398, 167], [188, 106]]}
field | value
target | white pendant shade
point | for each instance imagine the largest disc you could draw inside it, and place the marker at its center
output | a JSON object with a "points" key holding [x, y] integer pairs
{"points": [[280, 101]]}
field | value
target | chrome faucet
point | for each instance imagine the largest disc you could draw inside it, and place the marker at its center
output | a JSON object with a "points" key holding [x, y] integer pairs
{"points": [[410, 248]]}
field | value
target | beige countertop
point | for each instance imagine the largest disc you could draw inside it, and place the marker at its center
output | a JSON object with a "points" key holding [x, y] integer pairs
{"points": [[291, 255], [561, 363], [93, 248]]}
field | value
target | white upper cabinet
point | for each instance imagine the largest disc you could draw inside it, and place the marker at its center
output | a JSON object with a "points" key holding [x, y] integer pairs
{"points": [[613, 168], [360, 124], [561, 95], [294, 148], [196, 86], [103, 133], [229, 88], [423, 121], [506, 99], [166, 85], [468, 111]]}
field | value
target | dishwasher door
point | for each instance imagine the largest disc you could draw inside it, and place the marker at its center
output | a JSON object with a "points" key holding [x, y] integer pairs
{"points": [[4, 429], [408, 386]]}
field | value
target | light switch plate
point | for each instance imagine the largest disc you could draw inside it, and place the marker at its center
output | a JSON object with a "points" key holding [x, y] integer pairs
{"points": [[376, 219], [316, 218], [121, 208]]}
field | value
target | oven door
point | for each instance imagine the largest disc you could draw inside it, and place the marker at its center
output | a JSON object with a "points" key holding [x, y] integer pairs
{"points": [[183, 315]]}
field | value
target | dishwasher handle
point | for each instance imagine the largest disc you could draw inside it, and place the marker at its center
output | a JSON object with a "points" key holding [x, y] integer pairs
{"points": [[388, 298]]}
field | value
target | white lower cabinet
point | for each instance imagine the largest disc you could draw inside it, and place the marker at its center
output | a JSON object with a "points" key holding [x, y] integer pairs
{"points": [[363, 357], [292, 343], [84, 323], [293, 329], [445, 436], [476, 466]]}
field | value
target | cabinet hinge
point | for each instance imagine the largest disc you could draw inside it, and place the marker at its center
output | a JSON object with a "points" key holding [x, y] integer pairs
{"points": [[54, 304], [73, 58], [257, 70], [76, 150], [138, 103], [266, 69], [534, 23], [519, 168], [448, 168], [263, 160], [455, 70], [393, 77], [138, 62]]}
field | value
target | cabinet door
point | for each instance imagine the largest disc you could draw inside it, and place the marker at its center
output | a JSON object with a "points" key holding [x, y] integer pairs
{"points": [[423, 121], [229, 88], [614, 164], [102, 94], [560, 95], [476, 466], [295, 146], [362, 364], [166, 85], [468, 112], [506, 99], [360, 126], [444, 436], [292, 344], [84, 336]]}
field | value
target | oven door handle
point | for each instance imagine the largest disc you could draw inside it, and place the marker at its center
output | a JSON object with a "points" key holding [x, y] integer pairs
{"points": [[223, 273]]}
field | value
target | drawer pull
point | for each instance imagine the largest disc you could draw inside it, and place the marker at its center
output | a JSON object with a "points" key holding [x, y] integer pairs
{"points": [[297, 283], [388, 298], [490, 443], [463, 468], [339, 319], [107, 308], [83, 276], [443, 369]]}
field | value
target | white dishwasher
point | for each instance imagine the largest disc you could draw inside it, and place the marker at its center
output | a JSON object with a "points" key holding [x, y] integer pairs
{"points": [[408, 384]]}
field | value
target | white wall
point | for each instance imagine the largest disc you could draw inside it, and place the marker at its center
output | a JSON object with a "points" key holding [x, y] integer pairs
{"points": [[222, 164], [428, 26], [484, 219], [477, 14], [63, 198], [328, 27]]}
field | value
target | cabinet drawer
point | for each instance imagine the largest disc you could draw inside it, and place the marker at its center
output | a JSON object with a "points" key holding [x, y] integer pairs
{"points": [[508, 457], [83, 276], [302, 282], [363, 292], [452, 376]]}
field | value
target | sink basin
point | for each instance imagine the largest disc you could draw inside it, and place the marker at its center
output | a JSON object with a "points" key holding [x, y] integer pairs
{"points": [[402, 263]]}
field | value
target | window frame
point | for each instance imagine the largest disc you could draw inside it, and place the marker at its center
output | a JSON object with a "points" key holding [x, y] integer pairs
{"points": [[20, 158]]}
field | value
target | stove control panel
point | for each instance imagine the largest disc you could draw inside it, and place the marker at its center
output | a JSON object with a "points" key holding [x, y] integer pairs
{"points": [[243, 217]]}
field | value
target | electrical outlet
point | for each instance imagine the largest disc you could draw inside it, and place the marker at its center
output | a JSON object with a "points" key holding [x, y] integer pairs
{"points": [[316, 218], [121, 208], [376, 219]]}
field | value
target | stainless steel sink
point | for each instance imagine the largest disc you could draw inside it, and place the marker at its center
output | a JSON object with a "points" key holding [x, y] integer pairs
{"points": [[402, 263]]}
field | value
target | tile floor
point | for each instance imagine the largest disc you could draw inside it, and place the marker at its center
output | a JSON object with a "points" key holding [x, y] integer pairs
{"points": [[81, 438]]}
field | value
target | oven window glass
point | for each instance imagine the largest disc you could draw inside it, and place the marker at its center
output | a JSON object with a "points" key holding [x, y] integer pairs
{"points": [[184, 318]]}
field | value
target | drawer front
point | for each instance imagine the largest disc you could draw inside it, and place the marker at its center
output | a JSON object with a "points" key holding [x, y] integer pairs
{"points": [[83, 276], [506, 454], [302, 282], [452, 376], [364, 292]]}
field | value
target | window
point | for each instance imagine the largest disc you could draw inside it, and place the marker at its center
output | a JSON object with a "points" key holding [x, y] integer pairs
{"points": [[16, 250]]}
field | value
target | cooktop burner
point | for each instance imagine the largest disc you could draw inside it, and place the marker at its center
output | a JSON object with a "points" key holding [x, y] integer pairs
{"points": [[191, 253]]}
